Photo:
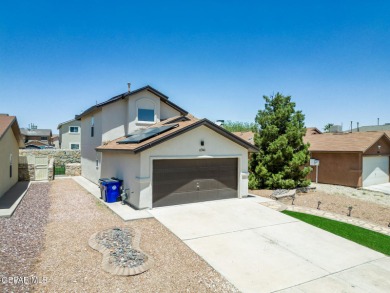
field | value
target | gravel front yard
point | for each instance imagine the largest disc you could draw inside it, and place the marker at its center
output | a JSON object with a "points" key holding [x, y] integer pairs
{"points": [[366, 205], [71, 265], [21, 239]]}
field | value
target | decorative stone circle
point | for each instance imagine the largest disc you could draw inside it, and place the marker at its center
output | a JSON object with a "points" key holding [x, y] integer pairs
{"points": [[121, 253]]}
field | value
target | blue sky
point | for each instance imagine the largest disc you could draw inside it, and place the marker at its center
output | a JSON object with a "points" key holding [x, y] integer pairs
{"points": [[215, 59]]}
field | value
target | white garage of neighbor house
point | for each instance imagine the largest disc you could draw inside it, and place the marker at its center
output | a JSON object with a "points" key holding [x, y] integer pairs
{"points": [[358, 159], [168, 157], [375, 170]]}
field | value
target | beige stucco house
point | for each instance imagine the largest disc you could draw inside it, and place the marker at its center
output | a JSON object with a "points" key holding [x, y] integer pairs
{"points": [[165, 155], [10, 141], [70, 135]]}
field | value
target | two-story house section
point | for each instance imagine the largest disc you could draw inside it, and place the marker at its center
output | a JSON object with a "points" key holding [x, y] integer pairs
{"points": [[70, 135], [118, 117], [164, 155]]}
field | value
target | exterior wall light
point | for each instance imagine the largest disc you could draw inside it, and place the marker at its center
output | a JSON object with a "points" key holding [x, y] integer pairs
{"points": [[202, 142]]}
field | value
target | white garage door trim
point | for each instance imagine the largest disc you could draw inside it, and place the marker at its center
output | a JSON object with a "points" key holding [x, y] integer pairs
{"points": [[375, 170]]}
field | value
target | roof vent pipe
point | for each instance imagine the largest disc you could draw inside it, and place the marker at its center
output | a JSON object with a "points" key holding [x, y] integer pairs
{"points": [[128, 87], [351, 126], [357, 123], [378, 121]]}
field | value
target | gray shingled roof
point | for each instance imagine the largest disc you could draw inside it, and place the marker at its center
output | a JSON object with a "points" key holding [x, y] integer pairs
{"points": [[163, 98], [35, 132]]}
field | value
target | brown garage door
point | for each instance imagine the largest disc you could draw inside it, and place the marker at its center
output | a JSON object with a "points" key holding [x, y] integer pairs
{"points": [[186, 181]]}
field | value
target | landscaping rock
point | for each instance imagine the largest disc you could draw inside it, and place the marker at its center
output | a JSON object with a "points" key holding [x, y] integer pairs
{"points": [[282, 193]]}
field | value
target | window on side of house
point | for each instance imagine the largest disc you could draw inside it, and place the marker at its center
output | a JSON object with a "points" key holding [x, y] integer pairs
{"points": [[146, 115], [92, 126], [10, 165], [43, 137], [74, 129], [97, 161], [74, 146]]}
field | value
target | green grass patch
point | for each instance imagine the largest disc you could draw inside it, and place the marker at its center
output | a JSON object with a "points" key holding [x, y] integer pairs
{"points": [[365, 237]]}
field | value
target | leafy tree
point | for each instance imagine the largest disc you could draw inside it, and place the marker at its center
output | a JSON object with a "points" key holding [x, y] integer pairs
{"points": [[327, 127], [280, 163], [236, 126]]}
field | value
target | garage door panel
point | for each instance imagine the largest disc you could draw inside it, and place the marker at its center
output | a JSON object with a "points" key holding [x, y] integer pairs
{"points": [[186, 181], [375, 170]]}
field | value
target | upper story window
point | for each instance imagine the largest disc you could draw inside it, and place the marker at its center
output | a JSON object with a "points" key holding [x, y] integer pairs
{"points": [[43, 137], [74, 129], [146, 111], [146, 115]]}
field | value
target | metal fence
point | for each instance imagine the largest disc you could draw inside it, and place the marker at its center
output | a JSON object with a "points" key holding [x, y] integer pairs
{"points": [[59, 170]]}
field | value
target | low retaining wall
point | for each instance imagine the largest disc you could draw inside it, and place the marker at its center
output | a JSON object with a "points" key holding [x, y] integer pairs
{"points": [[73, 169], [50, 171], [61, 157], [70, 158], [26, 170]]}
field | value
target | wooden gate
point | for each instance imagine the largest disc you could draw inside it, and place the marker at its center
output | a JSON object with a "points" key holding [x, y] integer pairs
{"points": [[41, 168]]}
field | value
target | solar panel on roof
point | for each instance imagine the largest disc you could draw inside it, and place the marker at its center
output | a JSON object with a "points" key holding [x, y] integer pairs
{"points": [[140, 135]]}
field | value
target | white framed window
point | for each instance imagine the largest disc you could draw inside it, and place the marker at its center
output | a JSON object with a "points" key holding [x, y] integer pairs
{"points": [[145, 115], [74, 129], [146, 111], [74, 146]]}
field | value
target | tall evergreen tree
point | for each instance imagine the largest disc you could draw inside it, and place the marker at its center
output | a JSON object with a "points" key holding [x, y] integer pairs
{"points": [[281, 161]]}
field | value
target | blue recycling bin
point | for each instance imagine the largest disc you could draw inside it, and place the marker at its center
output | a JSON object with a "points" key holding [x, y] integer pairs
{"points": [[111, 189]]}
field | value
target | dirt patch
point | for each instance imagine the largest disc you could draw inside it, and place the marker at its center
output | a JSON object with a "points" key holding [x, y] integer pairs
{"points": [[71, 265], [366, 205]]}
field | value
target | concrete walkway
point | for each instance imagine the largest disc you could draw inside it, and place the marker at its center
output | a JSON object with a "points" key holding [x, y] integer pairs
{"points": [[261, 250], [384, 188], [277, 206], [11, 199], [126, 212]]}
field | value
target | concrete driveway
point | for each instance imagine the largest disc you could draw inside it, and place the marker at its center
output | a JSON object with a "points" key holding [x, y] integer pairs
{"points": [[385, 188], [261, 250]]}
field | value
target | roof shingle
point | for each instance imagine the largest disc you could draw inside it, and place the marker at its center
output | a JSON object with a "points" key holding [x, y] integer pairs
{"points": [[343, 142], [182, 126]]}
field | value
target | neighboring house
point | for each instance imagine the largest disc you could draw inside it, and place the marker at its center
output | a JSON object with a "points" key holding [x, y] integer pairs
{"points": [[10, 141], [37, 137], [164, 155], [384, 127], [246, 135], [70, 135], [357, 159], [55, 139]]}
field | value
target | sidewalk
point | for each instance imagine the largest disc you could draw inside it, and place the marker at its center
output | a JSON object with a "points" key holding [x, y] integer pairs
{"points": [[126, 212], [11, 199], [350, 220]]}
